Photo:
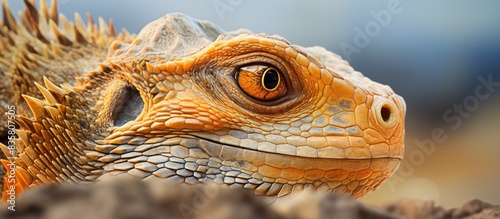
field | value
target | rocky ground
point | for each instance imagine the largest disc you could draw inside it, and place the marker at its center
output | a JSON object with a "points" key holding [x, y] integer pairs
{"points": [[132, 199], [476, 209]]}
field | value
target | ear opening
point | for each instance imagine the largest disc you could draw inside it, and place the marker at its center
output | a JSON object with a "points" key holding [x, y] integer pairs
{"points": [[128, 105]]}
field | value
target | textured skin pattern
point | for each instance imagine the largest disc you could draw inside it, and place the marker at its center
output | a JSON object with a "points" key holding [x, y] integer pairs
{"points": [[167, 104]]}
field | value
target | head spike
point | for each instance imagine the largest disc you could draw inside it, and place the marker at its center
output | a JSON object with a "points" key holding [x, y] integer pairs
{"points": [[56, 49], [60, 36], [53, 13], [23, 136], [8, 18], [36, 28], [103, 27], [54, 89], [67, 88], [24, 177], [22, 182], [46, 93], [32, 11], [25, 123], [43, 8], [36, 106], [66, 27], [25, 21], [54, 112], [47, 52], [90, 22], [31, 49], [79, 22], [112, 31], [6, 150], [79, 36], [125, 32]]}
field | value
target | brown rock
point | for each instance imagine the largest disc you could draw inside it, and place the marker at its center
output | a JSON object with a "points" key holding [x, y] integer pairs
{"points": [[469, 208], [125, 198], [416, 209]]}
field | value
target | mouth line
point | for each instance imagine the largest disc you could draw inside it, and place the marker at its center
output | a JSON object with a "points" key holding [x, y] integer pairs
{"points": [[237, 147], [273, 171]]}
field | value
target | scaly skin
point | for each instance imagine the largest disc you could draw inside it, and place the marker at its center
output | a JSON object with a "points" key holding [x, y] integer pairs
{"points": [[186, 101]]}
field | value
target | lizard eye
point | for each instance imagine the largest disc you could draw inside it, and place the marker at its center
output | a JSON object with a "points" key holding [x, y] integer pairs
{"points": [[261, 82]]}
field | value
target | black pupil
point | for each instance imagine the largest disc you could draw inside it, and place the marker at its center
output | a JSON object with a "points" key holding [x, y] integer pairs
{"points": [[271, 79]]}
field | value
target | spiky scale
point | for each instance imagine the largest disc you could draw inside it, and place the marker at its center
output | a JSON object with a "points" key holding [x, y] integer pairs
{"points": [[43, 8], [5, 150], [59, 35], [53, 12], [36, 106], [8, 19], [46, 94], [56, 91]]}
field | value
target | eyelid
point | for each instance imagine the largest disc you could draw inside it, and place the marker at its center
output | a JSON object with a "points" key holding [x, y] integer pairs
{"points": [[254, 68]]}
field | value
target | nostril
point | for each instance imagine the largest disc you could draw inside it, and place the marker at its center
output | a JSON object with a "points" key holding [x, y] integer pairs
{"points": [[385, 112]]}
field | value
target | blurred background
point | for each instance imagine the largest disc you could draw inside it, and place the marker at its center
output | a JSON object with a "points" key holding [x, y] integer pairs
{"points": [[437, 55]]}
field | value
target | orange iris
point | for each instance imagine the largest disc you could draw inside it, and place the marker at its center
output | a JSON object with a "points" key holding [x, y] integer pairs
{"points": [[261, 82]]}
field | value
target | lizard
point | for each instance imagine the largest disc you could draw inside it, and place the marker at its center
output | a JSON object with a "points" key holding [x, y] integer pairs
{"points": [[185, 101]]}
